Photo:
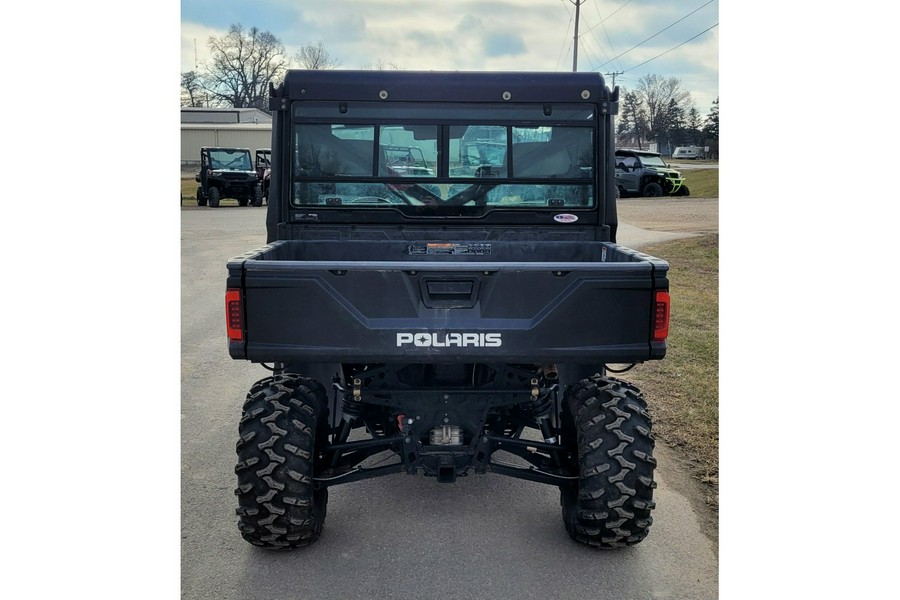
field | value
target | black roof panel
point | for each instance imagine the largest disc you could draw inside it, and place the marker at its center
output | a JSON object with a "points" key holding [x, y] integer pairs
{"points": [[425, 86]]}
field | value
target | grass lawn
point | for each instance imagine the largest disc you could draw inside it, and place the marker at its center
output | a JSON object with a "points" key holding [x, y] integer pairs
{"points": [[683, 389], [703, 183]]}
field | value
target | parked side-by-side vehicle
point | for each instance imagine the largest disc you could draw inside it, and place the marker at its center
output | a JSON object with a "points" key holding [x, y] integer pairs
{"points": [[644, 173], [227, 173], [442, 294]]}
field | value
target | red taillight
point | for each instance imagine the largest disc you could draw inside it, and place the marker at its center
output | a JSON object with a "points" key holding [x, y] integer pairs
{"points": [[661, 317], [234, 315]]}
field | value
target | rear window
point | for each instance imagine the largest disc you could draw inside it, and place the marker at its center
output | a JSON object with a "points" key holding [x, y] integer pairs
{"points": [[426, 163]]}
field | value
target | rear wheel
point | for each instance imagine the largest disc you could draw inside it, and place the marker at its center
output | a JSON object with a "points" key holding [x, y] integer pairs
{"points": [[607, 427], [201, 197], [214, 197], [652, 190], [284, 421]]}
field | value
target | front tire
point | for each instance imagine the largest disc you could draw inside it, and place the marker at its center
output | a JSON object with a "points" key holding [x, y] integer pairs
{"points": [[609, 431], [257, 195], [214, 195], [683, 191], [652, 190], [284, 422]]}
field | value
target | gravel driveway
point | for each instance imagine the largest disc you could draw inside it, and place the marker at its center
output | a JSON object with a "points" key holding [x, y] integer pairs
{"points": [[676, 214]]}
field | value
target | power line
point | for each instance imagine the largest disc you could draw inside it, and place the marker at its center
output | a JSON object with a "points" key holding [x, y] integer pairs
{"points": [[602, 23], [590, 55], [657, 33], [676, 47], [605, 31], [602, 20], [565, 38], [594, 36]]}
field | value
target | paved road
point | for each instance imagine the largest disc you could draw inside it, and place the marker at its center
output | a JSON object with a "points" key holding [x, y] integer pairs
{"points": [[398, 536]]}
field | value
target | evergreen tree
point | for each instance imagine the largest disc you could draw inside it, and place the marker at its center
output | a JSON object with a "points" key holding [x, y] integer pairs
{"points": [[694, 124], [711, 128], [632, 122]]}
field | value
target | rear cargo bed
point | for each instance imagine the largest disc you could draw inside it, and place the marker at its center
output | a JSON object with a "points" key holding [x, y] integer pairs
{"points": [[398, 301]]}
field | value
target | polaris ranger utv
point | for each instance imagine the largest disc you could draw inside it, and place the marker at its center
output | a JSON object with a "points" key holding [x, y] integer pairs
{"points": [[227, 173], [446, 320]]}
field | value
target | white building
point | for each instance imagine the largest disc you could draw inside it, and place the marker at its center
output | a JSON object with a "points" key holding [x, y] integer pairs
{"points": [[225, 127]]}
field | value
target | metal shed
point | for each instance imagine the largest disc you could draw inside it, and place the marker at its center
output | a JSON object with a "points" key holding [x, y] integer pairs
{"points": [[234, 135], [197, 114]]}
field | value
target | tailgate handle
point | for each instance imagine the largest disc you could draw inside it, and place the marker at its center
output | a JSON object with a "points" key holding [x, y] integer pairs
{"points": [[449, 293], [450, 288]]}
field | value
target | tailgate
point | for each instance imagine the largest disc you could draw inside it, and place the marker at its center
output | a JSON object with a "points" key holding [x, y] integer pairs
{"points": [[593, 302]]}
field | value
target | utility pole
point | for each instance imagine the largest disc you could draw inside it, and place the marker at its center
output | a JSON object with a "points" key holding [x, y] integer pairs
{"points": [[577, 4], [613, 75]]}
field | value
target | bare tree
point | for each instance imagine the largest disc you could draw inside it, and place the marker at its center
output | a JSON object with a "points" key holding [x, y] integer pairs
{"points": [[381, 65], [659, 95], [316, 57], [191, 89], [243, 63]]}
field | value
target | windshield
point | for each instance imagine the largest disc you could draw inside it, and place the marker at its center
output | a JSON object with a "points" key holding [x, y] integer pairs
{"points": [[230, 160], [442, 166], [652, 161]]}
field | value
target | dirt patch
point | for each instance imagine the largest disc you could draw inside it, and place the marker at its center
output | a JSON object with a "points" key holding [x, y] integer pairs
{"points": [[676, 214]]}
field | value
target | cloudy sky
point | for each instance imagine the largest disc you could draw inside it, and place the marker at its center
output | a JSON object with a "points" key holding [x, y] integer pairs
{"points": [[630, 38]]}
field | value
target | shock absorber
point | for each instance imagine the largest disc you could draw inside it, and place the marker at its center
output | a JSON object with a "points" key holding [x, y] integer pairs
{"points": [[540, 409], [351, 405], [543, 419], [351, 408]]}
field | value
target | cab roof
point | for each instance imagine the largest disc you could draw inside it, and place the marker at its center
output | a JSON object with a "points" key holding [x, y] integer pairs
{"points": [[639, 152], [435, 86], [225, 148]]}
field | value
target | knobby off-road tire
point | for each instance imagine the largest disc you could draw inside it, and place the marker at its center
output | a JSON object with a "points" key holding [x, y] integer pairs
{"points": [[652, 190], [609, 428], [284, 419], [214, 195], [683, 191], [201, 198], [257, 195]]}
